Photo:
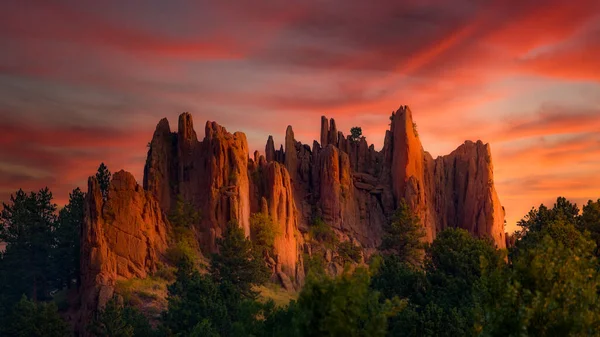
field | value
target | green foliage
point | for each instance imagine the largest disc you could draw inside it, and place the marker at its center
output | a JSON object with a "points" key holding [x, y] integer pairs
{"points": [[180, 250], [344, 306], [116, 320], [238, 262], [149, 293], [314, 265], [27, 226], [323, 233], [442, 297], [204, 329], [30, 319], [184, 215], [67, 250], [103, 176], [395, 277], [590, 222], [551, 289], [198, 304], [349, 252], [356, 133], [263, 232], [403, 235], [192, 299]]}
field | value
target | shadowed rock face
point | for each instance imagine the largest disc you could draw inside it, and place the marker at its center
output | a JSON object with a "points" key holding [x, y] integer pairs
{"points": [[123, 237]]}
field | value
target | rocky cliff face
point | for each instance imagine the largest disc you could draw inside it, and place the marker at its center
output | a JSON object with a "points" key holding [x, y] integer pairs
{"points": [[123, 237], [212, 175], [343, 181], [355, 189]]}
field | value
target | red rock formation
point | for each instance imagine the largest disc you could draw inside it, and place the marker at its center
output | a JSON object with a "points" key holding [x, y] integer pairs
{"points": [[212, 174], [123, 237], [344, 181], [273, 189]]}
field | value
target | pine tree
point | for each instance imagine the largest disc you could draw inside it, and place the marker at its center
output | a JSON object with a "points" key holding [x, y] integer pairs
{"points": [[103, 175], [67, 252], [118, 320], [32, 319], [27, 226], [238, 262], [402, 236]]}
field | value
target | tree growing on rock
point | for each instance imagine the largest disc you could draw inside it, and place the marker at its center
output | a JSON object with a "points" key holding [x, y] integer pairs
{"points": [[103, 175], [356, 133]]}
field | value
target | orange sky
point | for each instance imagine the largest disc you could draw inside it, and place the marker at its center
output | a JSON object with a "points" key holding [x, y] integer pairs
{"points": [[87, 81]]}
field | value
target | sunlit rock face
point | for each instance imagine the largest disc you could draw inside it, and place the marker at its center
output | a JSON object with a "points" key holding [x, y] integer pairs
{"points": [[355, 189], [211, 175], [123, 237], [341, 180]]}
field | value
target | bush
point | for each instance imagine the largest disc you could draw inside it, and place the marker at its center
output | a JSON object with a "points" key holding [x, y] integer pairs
{"points": [[349, 252], [180, 250], [263, 231], [314, 265], [34, 319], [323, 233]]}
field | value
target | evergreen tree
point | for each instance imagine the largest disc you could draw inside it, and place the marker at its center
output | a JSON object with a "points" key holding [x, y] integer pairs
{"points": [[238, 262], [194, 301], [342, 306], [117, 320], [30, 319], [68, 230], [403, 235], [263, 232], [27, 226], [590, 222], [356, 133], [103, 176], [549, 289]]}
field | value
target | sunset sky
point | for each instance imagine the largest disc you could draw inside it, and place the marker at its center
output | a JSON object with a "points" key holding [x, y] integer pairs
{"points": [[87, 81]]}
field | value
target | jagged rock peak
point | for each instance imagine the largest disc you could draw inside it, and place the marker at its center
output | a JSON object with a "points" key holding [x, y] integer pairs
{"points": [[186, 127], [324, 131], [270, 149], [123, 237], [291, 157], [163, 127]]}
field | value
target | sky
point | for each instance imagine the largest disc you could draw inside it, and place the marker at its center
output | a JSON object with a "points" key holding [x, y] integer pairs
{"points": [[83, 82]]}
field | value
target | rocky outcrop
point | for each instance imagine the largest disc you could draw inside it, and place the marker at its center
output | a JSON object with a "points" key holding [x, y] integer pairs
{"points": [[355, 188], [211, 175], [466, 196], [123, 237], [273, 192], [342, 180]]}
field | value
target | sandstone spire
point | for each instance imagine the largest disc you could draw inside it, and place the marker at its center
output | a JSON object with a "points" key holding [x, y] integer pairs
{"points": [[291, 160], [270, 149]]}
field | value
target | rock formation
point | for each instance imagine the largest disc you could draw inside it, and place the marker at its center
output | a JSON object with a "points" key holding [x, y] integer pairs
{"points": [[342, 181], [123, 237], [355, 189], [212, 175]]}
